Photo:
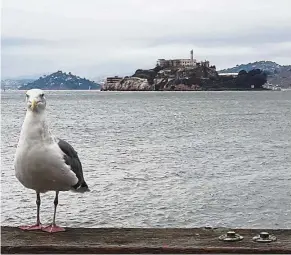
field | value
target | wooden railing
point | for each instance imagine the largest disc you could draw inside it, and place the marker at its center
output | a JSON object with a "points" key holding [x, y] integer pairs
{"points": [[146, 240]]}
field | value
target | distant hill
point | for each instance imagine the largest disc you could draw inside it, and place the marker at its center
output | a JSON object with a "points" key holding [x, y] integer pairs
{"points": [[268, 66], [14, 84], [282, 77], [61, 81], [277, 74]]}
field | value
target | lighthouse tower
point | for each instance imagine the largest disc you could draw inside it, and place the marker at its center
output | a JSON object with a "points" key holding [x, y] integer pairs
{"points": [[191, 57]]}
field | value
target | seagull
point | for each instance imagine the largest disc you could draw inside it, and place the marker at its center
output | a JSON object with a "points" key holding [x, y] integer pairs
{"points": [[43, 162]]}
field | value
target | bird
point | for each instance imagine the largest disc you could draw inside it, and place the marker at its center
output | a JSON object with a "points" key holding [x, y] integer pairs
{"points": [[44, 162]]}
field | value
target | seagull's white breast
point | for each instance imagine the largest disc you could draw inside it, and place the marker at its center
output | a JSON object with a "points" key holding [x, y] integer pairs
{"points": [[39, 162]]}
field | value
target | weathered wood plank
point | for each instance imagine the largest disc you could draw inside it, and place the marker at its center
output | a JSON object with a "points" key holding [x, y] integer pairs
{"points": [[136, 240]]}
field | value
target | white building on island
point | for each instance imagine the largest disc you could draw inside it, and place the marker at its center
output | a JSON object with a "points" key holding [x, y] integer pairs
{"points": [[180, 62]]}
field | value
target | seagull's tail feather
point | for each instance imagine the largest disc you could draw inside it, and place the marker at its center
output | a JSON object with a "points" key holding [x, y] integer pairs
{"points": [[84, 187], [81, 188]]}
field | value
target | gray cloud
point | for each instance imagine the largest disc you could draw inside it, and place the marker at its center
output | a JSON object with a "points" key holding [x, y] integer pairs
{"points": [[259, 36], [110, 36], [22, 42]]}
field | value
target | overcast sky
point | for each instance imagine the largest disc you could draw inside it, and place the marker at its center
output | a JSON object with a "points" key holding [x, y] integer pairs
{"points": [[103, 37]]}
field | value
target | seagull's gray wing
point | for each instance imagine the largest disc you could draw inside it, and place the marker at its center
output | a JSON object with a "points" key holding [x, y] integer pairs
{"points": [[72, 160]]}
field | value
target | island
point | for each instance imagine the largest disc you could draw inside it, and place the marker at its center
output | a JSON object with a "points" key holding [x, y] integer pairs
{"points": [[186, 75], [61, 81]]}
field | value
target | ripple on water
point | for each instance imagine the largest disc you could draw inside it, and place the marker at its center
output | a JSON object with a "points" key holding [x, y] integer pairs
{"points": [[162, 159]]}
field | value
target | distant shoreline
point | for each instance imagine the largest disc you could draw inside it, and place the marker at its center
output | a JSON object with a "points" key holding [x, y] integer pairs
{"points": [[153, 91]]}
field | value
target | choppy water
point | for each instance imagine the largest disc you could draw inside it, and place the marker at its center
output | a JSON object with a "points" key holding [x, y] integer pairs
{"points": [[165, 159]]}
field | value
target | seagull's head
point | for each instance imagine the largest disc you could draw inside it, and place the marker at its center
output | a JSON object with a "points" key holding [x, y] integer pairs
{"points": [[35, 100]]}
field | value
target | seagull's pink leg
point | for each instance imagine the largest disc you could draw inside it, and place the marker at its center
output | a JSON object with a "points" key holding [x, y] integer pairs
{"points": [[38, 225], [53, 228]]}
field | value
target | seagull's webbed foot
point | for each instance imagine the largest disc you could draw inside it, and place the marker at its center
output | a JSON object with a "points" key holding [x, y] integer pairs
{"points": [[53, 229], [33, 227], [38, 225]]}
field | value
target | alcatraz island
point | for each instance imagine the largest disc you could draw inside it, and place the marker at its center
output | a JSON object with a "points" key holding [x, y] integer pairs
{"points": [[186, 75]]}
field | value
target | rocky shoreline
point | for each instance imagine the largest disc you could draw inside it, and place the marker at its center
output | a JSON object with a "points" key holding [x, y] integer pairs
{"points": [[200, 78]]}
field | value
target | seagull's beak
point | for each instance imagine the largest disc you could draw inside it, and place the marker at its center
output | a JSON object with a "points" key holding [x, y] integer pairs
{"points": [[33, 104]]}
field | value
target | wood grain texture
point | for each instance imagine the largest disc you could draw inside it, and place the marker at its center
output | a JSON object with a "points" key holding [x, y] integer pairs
{"points": [[140, 240]]}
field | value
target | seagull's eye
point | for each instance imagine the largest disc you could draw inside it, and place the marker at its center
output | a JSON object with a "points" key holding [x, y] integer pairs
{"points": [[41, 95], [27, 96]]}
